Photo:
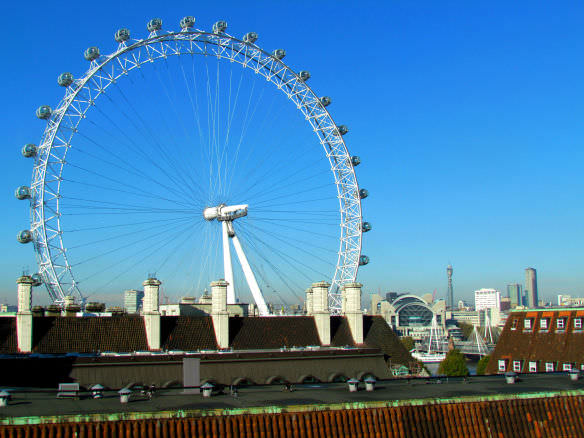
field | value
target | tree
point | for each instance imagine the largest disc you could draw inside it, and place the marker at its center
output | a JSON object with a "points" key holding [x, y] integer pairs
{"points": [[408, 342], [466, 329], [482, 365], [454, 364]]}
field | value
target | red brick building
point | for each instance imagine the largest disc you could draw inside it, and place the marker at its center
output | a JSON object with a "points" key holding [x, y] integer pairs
{"points": [[545, 340]]}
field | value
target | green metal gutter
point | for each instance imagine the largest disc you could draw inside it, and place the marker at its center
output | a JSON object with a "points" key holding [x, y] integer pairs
{"points": [[121, 416]]}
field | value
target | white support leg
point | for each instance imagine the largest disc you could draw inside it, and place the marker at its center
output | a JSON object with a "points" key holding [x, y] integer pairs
{"points": [[251, 281], [228, 269]]}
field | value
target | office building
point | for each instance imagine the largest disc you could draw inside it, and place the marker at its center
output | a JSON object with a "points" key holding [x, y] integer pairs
{"points": [[531, 287], [515, 294], [487, 299], [133, 300]]}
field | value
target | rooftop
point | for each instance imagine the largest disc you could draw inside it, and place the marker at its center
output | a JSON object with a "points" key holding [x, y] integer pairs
{"points": [[32, 406]]}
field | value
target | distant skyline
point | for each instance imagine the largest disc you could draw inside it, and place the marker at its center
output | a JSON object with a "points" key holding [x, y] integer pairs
{"points": [[467, 119]]}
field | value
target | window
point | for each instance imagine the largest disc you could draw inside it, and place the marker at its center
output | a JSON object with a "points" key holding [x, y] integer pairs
{"points": [[567, 367], [514, 323], [527, 324], [517, 366], [561, 324], [578, 323], [549, 367], [543, 323], [502, 365], [533, 367]]}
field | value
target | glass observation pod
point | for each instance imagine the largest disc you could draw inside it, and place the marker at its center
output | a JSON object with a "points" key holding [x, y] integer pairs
{"points": [[23, 192], [279, 54], [29, 150], [363, 260], [304, 75], [325, 101], [154, 25], [36, 279], [343, 129], [122, 35], [187, 22], [220, 26], [65, 79], [250, 37], [366, 226], [44, 112], [355, 160], [25, 236], [363, 193], [91, 53]]}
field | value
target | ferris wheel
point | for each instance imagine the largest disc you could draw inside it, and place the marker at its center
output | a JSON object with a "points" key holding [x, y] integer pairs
{"points": [[175, 146]]}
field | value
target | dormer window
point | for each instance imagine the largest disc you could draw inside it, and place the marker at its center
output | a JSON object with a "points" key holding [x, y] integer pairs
{"points": [[543, 324], [578, 324], [527, 324], [514, 323], [561, 324]]}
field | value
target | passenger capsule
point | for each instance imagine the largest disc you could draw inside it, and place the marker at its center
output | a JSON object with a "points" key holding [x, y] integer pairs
{"points": [[304, 75], [43, 112], [343, 129], [65, 79], [29, 150], [23, 192], [363, 260], [25, 236], [365, 226], [250, 37], [325, 101], [363, 193], [91, 53], [219, 27], [154, 25], [187, 22], [36, 279], [122, 35], [355, 160], [279, 54]]}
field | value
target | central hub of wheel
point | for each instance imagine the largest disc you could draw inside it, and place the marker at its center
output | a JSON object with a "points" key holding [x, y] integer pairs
{"points": [[224, 212]]}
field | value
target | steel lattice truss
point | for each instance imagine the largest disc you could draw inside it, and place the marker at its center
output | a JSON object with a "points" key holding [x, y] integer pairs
{"points": [[104, 71]]}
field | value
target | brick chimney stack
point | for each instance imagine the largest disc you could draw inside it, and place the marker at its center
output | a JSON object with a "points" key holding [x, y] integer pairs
{"points": [[24, 314], [309, 302], [352, 310], [219, 312], [320, 308], [151, 312]]}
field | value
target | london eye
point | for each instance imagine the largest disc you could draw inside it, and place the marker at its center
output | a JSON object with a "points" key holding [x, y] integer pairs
{"points": [[177, 146]]}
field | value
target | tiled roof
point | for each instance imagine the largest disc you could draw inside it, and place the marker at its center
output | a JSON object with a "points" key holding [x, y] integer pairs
{"points": [[272, 332], [187, 333], [86, 335], [535, 417], [126, 333], [537, 344], [341, 332], [8, 336], [378, 334]]}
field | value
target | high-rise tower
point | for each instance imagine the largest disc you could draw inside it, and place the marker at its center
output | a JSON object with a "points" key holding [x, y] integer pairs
{"points": [[531, 287], [450, 297], [515, 293]]}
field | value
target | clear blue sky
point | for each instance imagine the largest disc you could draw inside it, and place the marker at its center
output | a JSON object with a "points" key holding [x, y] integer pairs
{"points": [[467, 118]]}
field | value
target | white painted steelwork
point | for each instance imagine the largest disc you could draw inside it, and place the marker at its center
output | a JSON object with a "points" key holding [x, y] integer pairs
{"points": [[81, 94]]}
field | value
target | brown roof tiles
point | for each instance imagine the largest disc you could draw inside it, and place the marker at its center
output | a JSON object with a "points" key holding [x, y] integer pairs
{"points": [[249, 333], [537, 344], [187, 333]]}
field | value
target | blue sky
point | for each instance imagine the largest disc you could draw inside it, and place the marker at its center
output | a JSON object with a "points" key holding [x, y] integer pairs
{"points": [[467, 119]]}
